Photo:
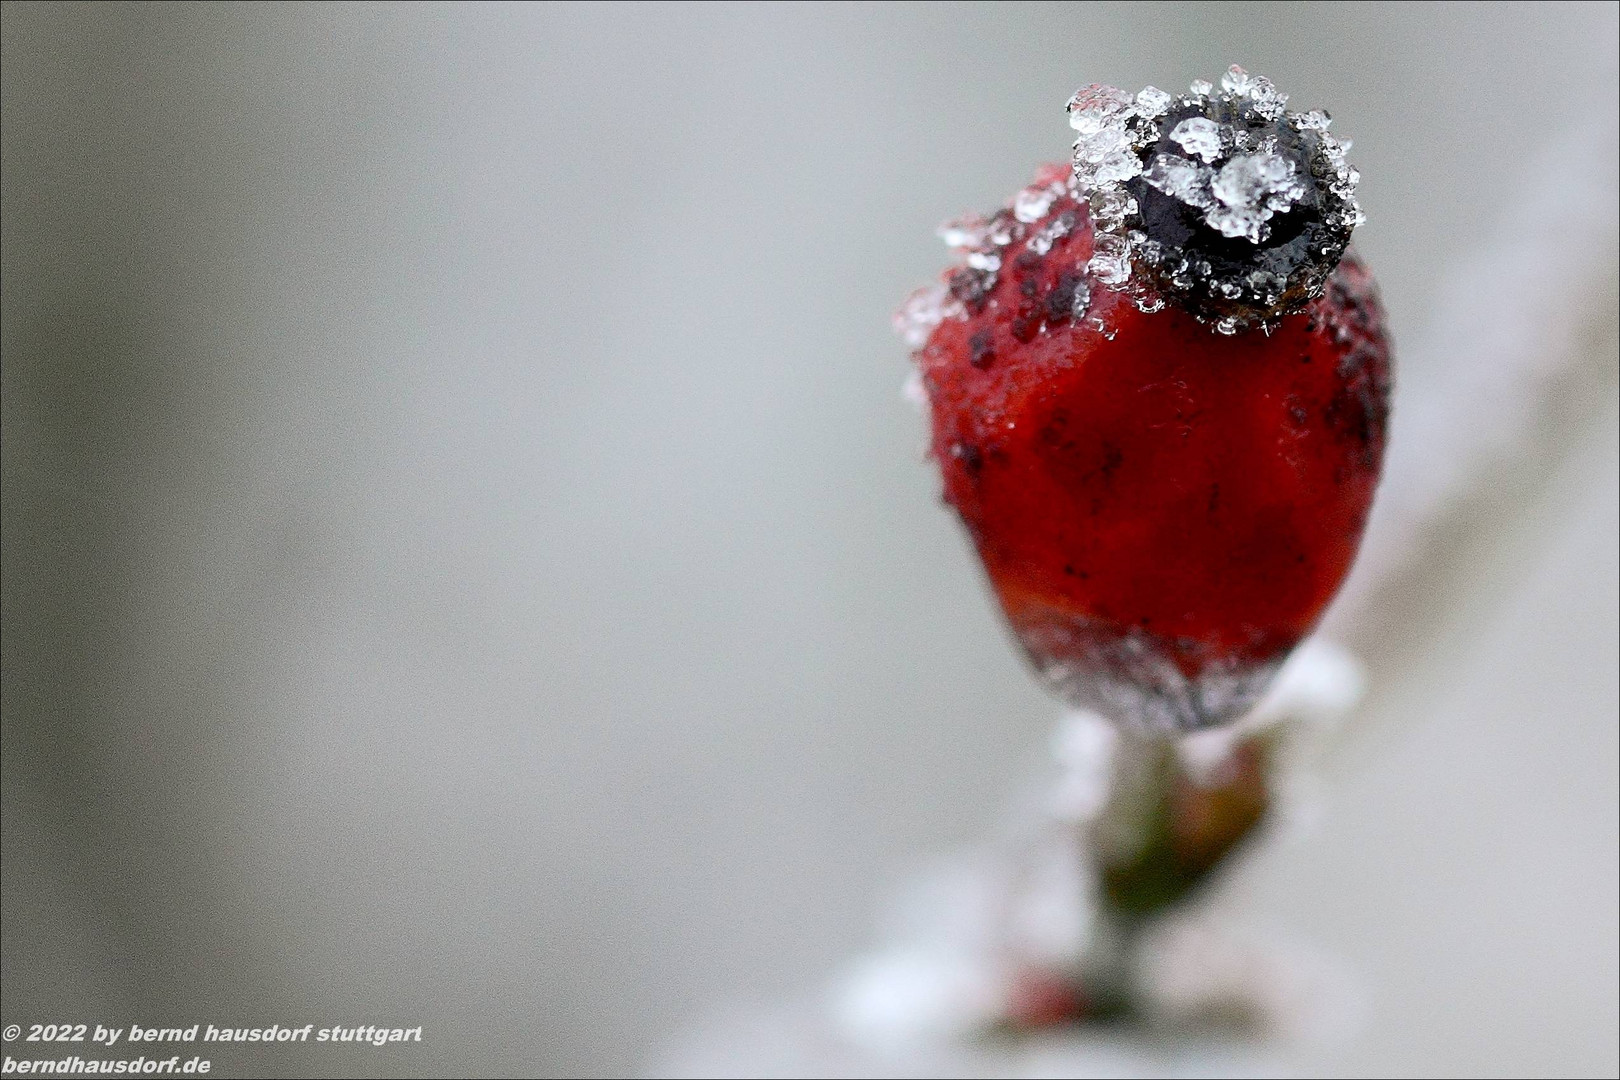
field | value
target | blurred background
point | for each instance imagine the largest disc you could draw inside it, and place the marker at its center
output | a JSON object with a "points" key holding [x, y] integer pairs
{"points": [[467, 561]]}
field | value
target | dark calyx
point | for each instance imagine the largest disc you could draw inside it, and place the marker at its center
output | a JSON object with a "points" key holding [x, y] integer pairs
{"points": [[1217, 277]]}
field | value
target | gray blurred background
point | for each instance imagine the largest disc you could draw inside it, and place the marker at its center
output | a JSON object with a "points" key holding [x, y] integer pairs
{"points": [[467, 562]]}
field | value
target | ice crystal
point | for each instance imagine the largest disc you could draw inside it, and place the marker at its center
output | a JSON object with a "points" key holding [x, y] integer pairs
{"points": [[1099, 144], [923, 310], [1082, 301], [963, 232], [1118, 166], [1315, 120], [1002, 229], [1236, 81], [1200, 136], [1182, 179], [1111, 260], [1032, 203], [1111, 207], [1042, 239], [1098, 107], [1151, 102]]}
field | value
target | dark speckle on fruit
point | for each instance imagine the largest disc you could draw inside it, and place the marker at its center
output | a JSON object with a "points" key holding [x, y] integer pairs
{"points": [[971, 287], [1060, 301], [1112, 459], [1025, 325], [982, 352], [969, 455]]}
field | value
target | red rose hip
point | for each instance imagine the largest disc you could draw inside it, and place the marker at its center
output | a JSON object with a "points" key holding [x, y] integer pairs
{"points": [[1159, 387]]}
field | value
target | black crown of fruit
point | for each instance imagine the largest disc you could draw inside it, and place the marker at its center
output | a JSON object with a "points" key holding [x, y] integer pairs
{"points": [[1220, 200]]}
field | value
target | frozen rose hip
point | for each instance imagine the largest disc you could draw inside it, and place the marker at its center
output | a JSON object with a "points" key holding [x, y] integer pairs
{"points": [[1159, 386]]}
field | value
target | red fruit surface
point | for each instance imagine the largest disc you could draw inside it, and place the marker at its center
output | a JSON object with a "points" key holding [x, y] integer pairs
{"points": [[1163, 511]]}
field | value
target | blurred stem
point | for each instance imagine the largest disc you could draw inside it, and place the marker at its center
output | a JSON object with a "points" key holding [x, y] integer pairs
{"points": [[1182, 825]]}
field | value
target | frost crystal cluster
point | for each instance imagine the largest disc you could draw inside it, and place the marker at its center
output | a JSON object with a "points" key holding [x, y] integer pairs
{"points": [[983, 244], [1220, 198]]}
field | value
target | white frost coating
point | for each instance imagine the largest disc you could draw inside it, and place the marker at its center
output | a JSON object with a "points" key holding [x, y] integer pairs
{"points": [[960, 934], [1182, 179], [1106, 151], [914, 393], [1255, 180], [1083, 747], [1238, 199], [963, 232], [1318, 686], [1042, 239], [1002, 230], [1249, 189], [1117, 166], [1082, 301], [910, 995], [1032, 203], [1199, 136]]}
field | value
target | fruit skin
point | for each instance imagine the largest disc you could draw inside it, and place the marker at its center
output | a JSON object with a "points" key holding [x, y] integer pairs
{"points": [[1164, 512]]}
